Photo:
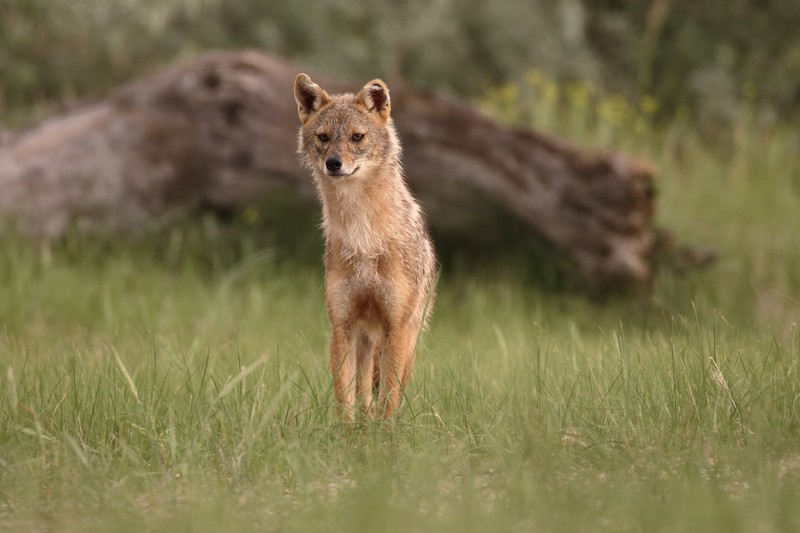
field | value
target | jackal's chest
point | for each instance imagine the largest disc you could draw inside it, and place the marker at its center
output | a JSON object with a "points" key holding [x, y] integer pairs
{"points": [[360, 270], [356, 236]]}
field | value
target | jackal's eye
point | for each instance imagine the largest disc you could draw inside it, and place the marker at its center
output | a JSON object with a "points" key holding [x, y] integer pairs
{"points": [[323, 137], [358, 136]]}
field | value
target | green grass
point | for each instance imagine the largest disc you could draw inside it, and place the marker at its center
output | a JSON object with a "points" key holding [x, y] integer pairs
{"points": [[182, 384]]}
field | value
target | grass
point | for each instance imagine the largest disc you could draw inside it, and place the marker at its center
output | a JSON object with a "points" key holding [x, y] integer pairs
{"points": [[180, 382]]}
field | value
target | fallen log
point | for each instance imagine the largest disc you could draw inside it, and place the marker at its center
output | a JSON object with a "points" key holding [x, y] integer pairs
{"points": [[220, 131]]}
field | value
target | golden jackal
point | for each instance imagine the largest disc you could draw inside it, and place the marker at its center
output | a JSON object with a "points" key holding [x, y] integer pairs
{"points": [[379, 260]]}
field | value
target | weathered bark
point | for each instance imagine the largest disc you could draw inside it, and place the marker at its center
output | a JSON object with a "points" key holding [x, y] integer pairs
{"points": [[220, 131]]}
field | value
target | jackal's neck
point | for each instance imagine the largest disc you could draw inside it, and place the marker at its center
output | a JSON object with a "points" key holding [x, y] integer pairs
{"points": [[364, 214]]}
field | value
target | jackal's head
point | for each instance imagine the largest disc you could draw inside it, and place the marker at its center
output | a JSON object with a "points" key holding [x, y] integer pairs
{"points": [[345, 135]]}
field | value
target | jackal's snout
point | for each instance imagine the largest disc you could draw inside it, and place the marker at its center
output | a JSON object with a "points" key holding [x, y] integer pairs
{"points": [[333, 164], [336, 168]]}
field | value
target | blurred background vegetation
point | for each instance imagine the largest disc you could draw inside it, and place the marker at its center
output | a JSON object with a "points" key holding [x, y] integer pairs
{"points": [[708, 91], [700, 58]]}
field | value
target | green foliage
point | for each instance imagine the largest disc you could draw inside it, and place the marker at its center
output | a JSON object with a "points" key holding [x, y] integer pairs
{"points": [[58, 50], [711, 56]]}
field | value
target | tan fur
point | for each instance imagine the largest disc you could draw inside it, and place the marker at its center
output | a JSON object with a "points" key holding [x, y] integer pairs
{"points": [[379, 260]]}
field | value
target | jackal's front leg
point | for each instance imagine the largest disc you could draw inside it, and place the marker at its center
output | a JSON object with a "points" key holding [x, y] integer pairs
{"points": [[343, 370], [397, 361]]}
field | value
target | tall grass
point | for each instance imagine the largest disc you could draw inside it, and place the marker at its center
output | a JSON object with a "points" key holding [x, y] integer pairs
{"points": [[181, 383]]}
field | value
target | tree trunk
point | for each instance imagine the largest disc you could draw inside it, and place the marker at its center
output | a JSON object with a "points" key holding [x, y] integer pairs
{"points": [[220, 131]]}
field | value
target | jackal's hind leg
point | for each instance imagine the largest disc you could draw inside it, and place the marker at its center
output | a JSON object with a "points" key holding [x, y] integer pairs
{"points": [[366, 374]]}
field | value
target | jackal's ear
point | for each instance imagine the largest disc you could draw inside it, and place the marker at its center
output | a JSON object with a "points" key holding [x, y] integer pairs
{"points": [[309, 96], [375, 97]]}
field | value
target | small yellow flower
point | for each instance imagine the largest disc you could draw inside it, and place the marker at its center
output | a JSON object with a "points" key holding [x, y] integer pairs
{"points": [[251, 215], [648, 105], [534, 78], [508, 94], [749, 90], [615, 110], [578, 94], [549, 91]]}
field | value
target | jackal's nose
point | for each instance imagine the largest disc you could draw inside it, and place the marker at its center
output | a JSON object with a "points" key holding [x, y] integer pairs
{"points": [[333, 164]]}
